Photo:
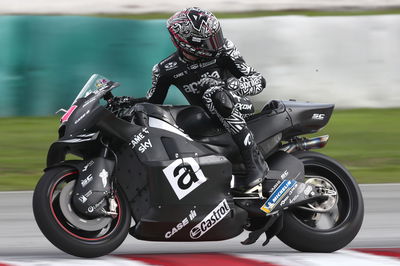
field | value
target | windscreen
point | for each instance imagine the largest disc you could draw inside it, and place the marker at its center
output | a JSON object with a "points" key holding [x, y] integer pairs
{"points": [[94, 85]]}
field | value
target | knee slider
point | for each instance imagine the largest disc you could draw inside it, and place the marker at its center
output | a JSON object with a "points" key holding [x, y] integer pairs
{"points": [[223, 103]]}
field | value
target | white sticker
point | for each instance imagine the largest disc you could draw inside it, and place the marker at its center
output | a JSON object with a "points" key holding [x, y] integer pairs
{"points": [[87, 180], [212, 219], [184, 175], [145, 145], [181, 225], [84, 198], [104, 176], [318, 116], [285, 174], [87, 165], [247, 140]]}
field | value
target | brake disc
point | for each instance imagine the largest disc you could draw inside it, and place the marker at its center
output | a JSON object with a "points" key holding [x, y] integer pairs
{"points": [[77, 221], [326, 188]]}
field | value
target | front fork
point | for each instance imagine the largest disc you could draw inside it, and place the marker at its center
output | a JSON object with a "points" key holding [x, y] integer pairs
{"points": [[112, 203], [93, 194]]}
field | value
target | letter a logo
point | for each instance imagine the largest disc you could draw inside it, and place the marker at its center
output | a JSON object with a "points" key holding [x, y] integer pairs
{"points": [[184, 175]]}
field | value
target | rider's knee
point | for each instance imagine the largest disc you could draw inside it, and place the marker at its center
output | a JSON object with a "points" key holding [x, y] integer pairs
{"points": [[223, 103]]}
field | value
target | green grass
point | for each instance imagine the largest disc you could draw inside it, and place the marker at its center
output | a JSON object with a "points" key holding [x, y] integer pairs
{"points": [[24, 143], [366, 141], [249, 14]]}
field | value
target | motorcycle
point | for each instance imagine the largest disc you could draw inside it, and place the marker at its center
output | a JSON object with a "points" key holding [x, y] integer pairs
{"points": [[172, 169]]}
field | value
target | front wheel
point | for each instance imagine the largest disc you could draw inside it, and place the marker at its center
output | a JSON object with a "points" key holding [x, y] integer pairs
{"points": [[330, 225], [67, 229]]}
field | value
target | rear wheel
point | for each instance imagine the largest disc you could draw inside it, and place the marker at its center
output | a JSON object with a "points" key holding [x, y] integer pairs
{"points": [[70, 231], [330, 225]]}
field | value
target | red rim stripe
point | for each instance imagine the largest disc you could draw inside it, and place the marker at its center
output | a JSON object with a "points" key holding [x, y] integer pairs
{"points": [[65, 229], [388, 252], [195, 260]]}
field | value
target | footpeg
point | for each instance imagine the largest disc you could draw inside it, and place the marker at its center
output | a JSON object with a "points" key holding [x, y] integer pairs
{"points": [[252, 193], [256, 189]]}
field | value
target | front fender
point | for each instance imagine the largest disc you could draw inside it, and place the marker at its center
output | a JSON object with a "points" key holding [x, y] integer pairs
{"points": [[76, 164]]}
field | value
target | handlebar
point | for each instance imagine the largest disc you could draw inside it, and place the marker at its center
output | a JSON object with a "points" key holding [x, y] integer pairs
{"points": [[108, 96]]}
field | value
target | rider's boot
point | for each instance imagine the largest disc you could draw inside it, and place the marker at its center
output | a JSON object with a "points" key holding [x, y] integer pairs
{"points": [[256, 167]]}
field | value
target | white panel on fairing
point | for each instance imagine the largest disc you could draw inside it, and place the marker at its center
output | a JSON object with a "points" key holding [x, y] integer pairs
{"points": [[158, 123]]}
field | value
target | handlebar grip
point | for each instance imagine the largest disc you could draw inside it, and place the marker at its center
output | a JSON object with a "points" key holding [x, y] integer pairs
{"points": [[108, 96]]}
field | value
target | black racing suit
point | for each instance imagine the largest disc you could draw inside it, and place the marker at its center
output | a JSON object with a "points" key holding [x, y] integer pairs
{"points": [[226, 99], [186, 75]]}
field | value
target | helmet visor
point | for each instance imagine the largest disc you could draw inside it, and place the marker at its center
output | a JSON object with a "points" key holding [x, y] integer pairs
{"points": [[212, 44]]}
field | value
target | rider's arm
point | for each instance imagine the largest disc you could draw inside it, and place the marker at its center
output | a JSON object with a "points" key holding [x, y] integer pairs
{"points": [[247, 80], [160, 84]]}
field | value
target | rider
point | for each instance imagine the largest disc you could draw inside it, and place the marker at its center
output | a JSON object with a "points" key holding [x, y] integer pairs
{"points": [[210, 72]]}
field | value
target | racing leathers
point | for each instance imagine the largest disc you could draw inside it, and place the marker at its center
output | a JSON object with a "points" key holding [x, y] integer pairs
{"points": [[219, 85]]}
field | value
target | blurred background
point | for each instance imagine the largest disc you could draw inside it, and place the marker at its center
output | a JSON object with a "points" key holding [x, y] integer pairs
{"points": [[342, 52]]}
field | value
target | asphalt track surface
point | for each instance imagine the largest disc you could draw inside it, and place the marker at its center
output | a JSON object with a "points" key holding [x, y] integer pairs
{"points": [[20, 236]]}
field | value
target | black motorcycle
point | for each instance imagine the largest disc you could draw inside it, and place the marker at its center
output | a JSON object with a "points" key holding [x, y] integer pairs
{"points": [[171, 168]]}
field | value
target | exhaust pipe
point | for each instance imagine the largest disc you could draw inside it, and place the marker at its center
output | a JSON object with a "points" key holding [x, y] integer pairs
{"points": [[304, 144]]}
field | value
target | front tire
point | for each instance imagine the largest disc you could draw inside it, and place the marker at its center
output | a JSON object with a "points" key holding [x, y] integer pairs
{"points": [[65, 235], [302, 230]]}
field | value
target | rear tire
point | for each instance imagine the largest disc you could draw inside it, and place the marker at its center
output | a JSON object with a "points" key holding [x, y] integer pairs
{"points": [[299, 229], [63, 234]]}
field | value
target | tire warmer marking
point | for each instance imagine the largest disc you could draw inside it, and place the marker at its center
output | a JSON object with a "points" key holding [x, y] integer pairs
{"points": [[65, 229]]}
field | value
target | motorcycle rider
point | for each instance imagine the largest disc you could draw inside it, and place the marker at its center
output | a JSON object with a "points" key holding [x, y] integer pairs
{"points": [[210, 72]]}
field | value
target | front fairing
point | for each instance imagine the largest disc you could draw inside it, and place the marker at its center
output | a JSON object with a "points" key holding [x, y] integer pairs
{"points": [[80, 120], [81, 116]]}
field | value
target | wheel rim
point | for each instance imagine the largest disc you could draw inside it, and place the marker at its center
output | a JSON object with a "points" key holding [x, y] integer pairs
{"points": [[325, 187], [98, 228], [330, 214], [73, 218]]}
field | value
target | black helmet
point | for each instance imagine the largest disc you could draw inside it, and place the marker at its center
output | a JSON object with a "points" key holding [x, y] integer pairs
{"points": [[197, 32]]}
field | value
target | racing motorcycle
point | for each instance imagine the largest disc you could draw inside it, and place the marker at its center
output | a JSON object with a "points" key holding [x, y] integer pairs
{"points": [[161, 166]]}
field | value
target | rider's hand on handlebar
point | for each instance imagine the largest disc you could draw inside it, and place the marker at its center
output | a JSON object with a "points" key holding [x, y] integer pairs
{"points": [[125, 101], [122, 100]]}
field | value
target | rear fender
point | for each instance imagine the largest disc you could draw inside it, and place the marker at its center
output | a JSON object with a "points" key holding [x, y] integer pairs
{"points": [[286, 166]]}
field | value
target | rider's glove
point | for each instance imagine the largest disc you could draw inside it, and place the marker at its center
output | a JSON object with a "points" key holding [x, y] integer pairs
{"points": [[123, 100], [209, 82]]}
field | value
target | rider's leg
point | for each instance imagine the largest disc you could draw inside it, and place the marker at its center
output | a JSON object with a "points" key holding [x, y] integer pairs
{"points": [[221, 103]]}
